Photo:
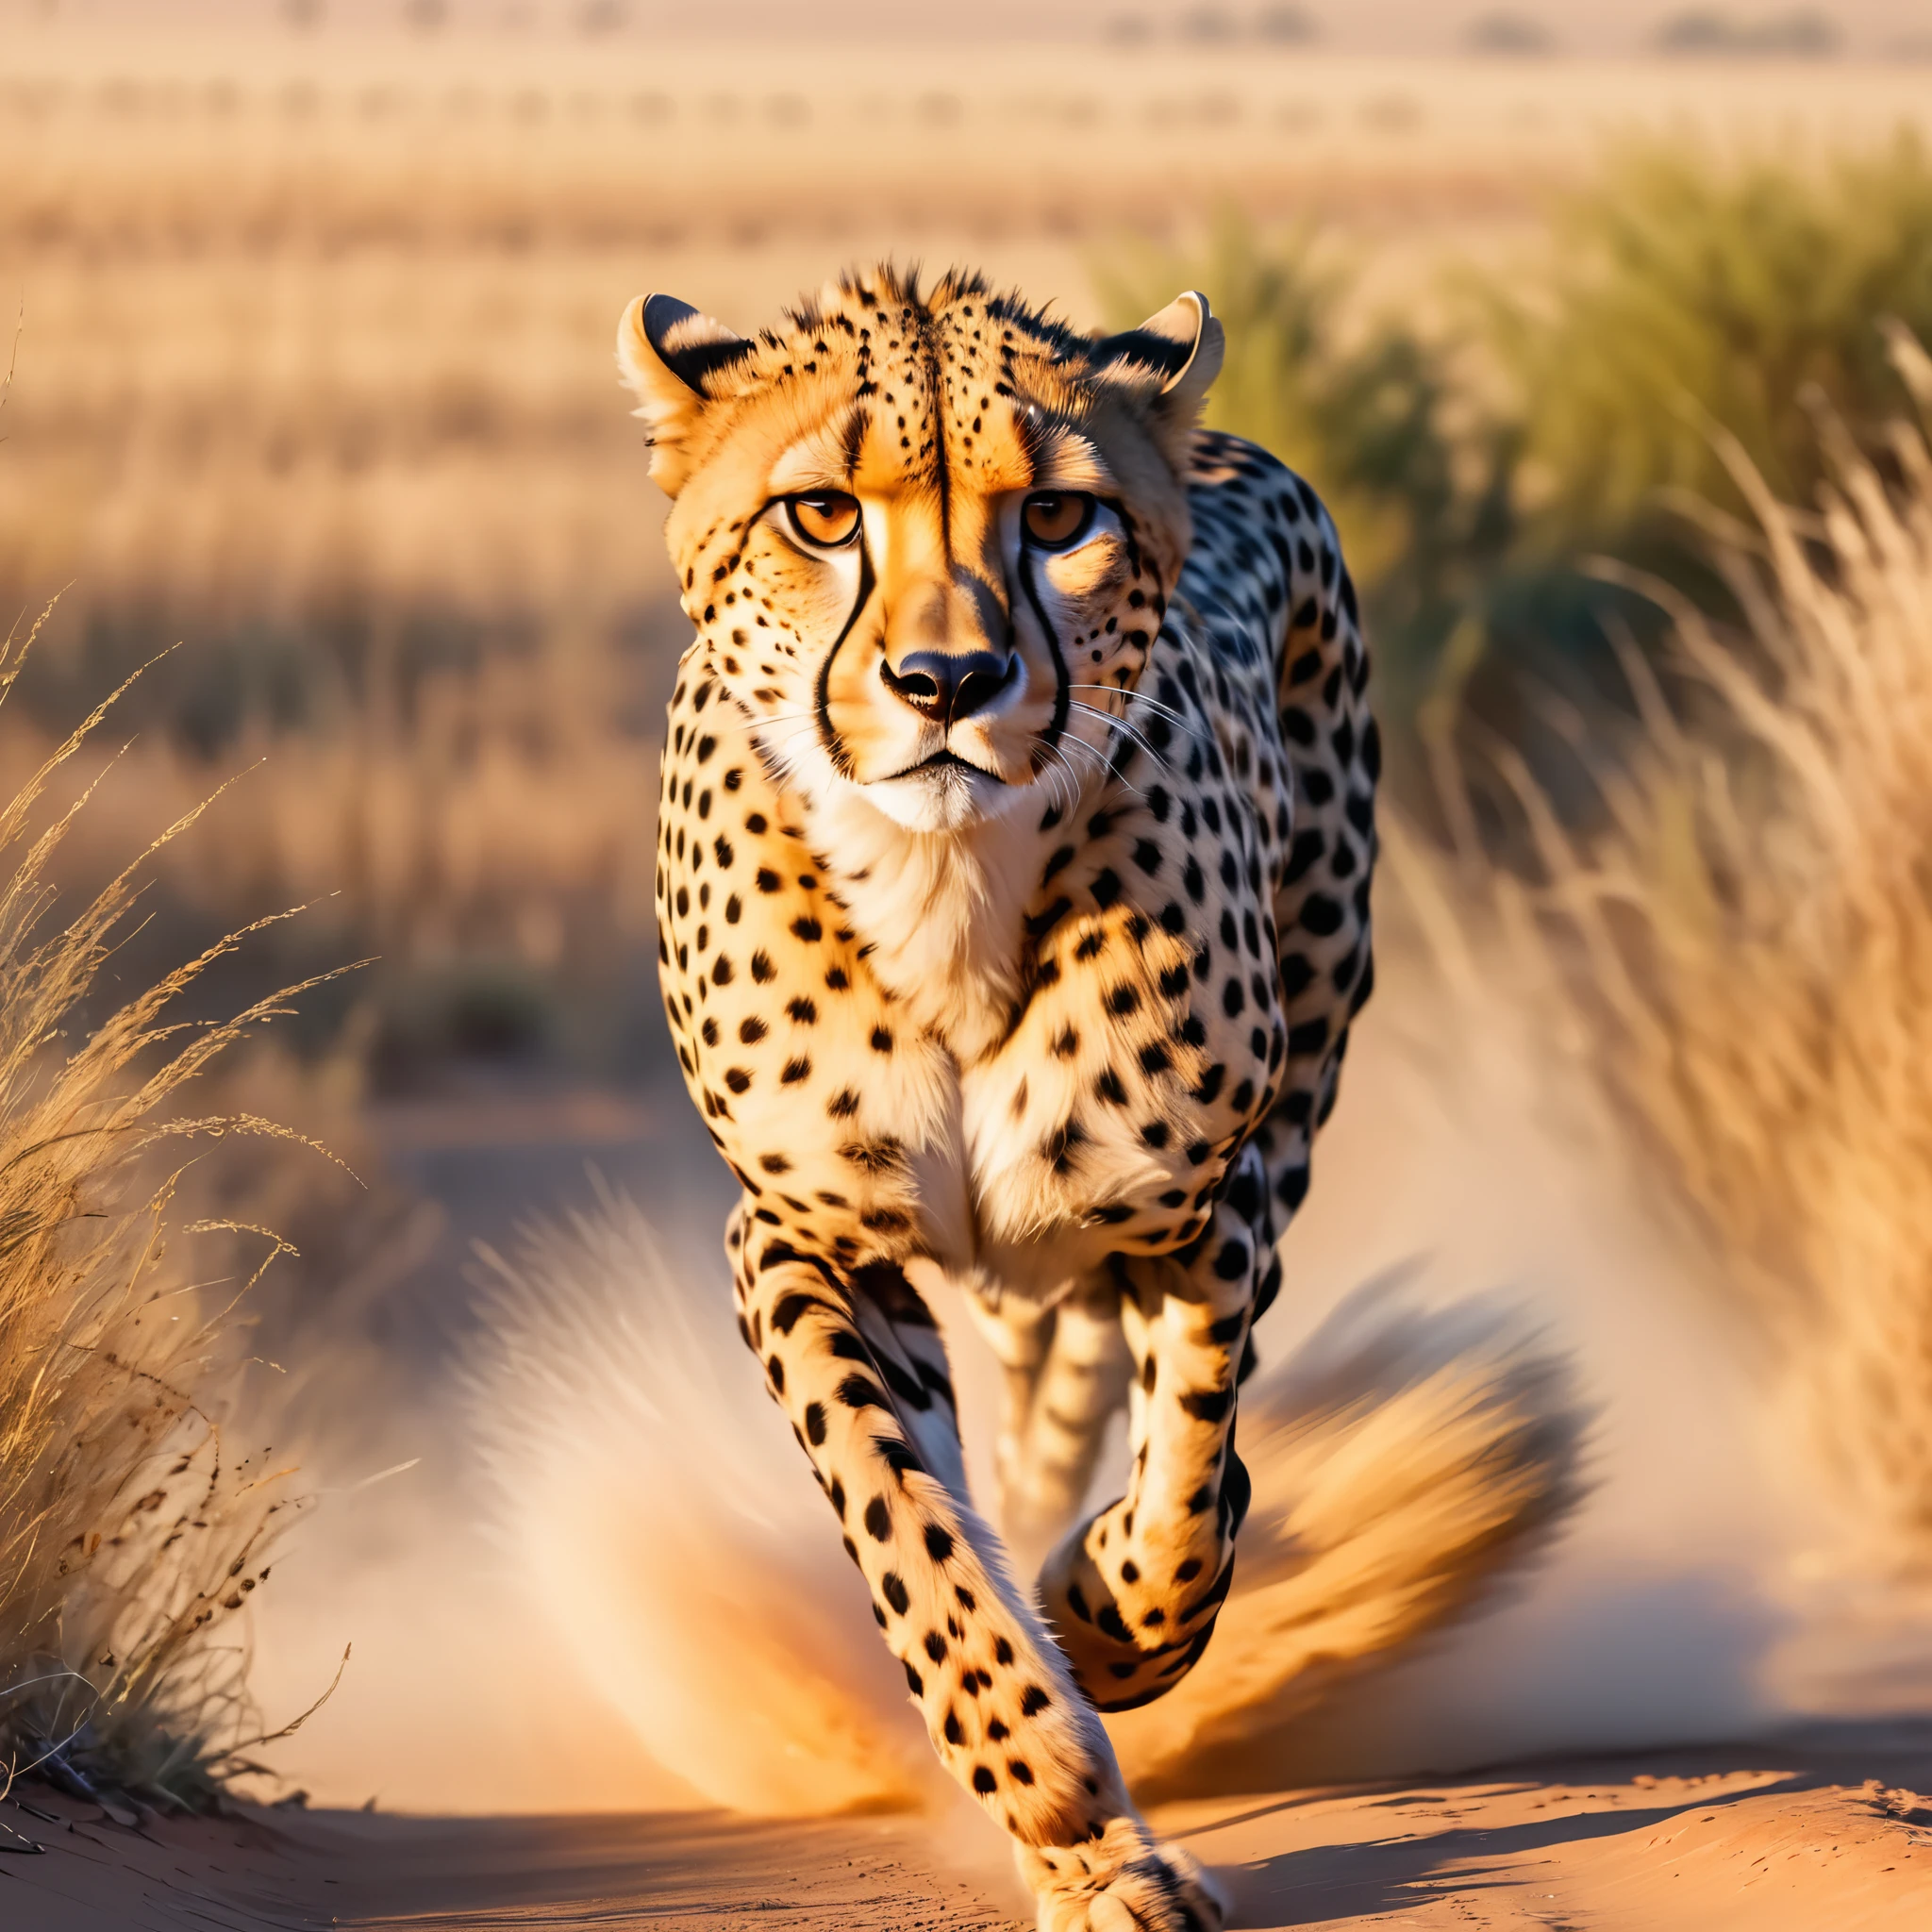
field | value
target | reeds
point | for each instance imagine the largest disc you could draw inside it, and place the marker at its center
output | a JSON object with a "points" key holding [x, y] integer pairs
{"points": [[131, 1535]]}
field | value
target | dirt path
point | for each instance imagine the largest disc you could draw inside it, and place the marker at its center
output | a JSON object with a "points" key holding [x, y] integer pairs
{"points": [[1831, 1833]]}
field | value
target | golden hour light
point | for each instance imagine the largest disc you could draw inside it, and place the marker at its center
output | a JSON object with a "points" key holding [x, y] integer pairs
{"points": [[965, 968]]}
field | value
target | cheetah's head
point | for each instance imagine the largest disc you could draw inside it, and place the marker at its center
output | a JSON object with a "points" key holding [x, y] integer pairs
{"points": [[930, 538]]}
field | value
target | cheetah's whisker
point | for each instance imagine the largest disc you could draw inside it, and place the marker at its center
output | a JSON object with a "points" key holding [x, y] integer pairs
{"points": [[1106, 764], [1126, 729], [1174, 717]]}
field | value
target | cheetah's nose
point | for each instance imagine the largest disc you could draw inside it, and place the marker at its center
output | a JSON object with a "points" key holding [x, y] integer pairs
{"points": [[947, 686]]}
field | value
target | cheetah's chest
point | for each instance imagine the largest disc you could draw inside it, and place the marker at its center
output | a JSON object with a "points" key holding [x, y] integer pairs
{"points": [[1023, 1064]]}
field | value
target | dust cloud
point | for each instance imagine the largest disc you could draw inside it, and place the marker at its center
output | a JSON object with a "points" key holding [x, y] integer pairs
{"points": [[618, 1588]]}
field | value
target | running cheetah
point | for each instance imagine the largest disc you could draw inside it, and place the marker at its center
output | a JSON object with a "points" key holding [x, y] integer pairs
{"points": [[1015, 841]]}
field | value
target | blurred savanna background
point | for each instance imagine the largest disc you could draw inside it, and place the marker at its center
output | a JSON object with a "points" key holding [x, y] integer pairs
{"points": [[1599, 328]]}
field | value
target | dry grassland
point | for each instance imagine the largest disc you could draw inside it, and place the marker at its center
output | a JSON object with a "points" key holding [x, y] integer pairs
{"points": [[314, 377]]}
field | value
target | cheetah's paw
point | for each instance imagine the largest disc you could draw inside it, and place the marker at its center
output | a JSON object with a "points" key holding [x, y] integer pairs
{"points": [[1126, 1881]]}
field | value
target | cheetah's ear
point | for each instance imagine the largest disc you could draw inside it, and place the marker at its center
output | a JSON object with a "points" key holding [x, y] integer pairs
{"points": [[677, 362], [1170, 359]]}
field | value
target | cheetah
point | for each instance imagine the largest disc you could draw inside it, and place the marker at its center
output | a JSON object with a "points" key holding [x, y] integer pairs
{"points": [[1016, 831]]}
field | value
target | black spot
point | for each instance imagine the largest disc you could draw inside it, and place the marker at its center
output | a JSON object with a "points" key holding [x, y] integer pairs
{"points": [[983, 1781], [939, 1544], [1311, 1035], [1211, 1406], [1307, 847], [1320, 914], [895, 1593], [785, 1316], [1033, 1700], [815, 1429], [878, 1520], [914, 1682]]}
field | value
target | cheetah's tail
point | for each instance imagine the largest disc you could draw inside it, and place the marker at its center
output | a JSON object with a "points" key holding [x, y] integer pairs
{"points": [[1405, 1464]]}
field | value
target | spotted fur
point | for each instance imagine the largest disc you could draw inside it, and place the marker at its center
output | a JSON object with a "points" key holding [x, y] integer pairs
{"points": [[1047, 993]]}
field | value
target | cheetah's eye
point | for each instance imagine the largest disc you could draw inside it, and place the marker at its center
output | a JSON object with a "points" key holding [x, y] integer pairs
{"points": [[827, 517], [1056, 519]]}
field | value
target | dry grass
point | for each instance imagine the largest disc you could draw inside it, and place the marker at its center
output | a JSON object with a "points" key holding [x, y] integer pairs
{"points": [[130, 1535], [316, 380], [1744, 960], [511, 818]]}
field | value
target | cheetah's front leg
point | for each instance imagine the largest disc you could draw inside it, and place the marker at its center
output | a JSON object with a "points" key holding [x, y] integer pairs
{"points": [[1133, 1591], [857, 1363]]}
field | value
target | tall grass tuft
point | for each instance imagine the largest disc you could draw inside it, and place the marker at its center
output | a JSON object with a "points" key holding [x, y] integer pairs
{"points": [[1745, 954], [132, 1536]]}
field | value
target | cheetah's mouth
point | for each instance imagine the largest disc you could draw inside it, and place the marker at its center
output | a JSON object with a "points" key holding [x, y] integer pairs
{"points": [[942, 761]]}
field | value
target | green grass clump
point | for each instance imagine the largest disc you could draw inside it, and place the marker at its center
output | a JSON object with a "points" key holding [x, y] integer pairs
{"points": [[1679, 295], [1367, 414], [1575, 404]]}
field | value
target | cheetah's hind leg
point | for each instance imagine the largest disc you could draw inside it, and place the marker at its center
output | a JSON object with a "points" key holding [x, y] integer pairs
{"points": [[1065, 1375]]}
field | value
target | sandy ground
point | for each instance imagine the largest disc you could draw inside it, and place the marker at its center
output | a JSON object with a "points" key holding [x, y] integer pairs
{"points": [[1827, 1830]]}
